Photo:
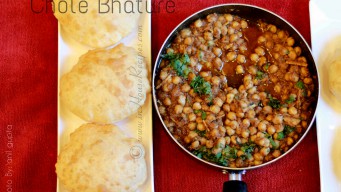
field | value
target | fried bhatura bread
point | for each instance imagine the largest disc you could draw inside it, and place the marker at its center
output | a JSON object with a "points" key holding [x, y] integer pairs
{"points": [[95, 25], [101, 158], [335, 78], [106, 86]]}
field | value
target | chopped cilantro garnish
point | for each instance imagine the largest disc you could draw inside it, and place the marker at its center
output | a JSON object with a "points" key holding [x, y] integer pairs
{"points": [[201, 133], [290, 100], [206, 154], [248, 148], [260, 75], [179, 63], [203, 115], [300, 84], [288, 129], [280, 136], [229, 152], [266, 66], [274, 103], [200, 86], [272, 142]]}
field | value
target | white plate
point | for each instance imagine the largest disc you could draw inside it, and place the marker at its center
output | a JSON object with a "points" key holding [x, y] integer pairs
{"points": [[325, 22], [135, 126]]}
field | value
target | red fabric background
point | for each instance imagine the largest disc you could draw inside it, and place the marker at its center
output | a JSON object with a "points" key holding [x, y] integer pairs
{"points": [[28, 103]]}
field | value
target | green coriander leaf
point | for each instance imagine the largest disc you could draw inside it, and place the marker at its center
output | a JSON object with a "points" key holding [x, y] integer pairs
{"points": [[200, 86], [259, 75], [274, 103], [290, 100], [203, 115], [201, 133], [266, 66], [280, 135], [300, 84], [288, 129]]}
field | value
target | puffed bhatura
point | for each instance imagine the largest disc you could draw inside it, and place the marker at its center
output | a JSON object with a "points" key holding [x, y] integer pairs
{"points": [[94, 27], [335, 79], [98, 158], [106, 86]]}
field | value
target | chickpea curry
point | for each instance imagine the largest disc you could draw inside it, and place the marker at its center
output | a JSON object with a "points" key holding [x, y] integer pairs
{"points": [[234, 92]]}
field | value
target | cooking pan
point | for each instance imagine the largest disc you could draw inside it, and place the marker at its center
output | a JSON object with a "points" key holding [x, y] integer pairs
{"points": [[253, 14]]}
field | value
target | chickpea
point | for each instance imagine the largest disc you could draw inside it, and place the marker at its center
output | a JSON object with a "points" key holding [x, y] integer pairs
{"points": [[292, 110], [261, 40], [215, 109], [243, 24], [216, 32], [212, 18], [273, 68], [187, 139], [255, 97], [236, 25], [192, 126], [252, 90], [280, 34], [258, 157], [217, 51], [233, 38], [176, 80], [276, 153], [290, 41], [241, 59], [182, 100], [232, 116], [262, 61], [228, 17], [271, 130], [209, 144], [192, 134], [304, 124], [292, 55], [290, 141], [254, 57], [230, 30], [217, 101], [196, 106], [187, 110], [265, 151], [262, 126], [253, 70], [210, 118], [200, 127], [298, 51], [235, 140], [195, 145], [178, 109], [267, 109], [239, 69], [308, 80], [269, 44], [163, 75], [218, 64], [272, 28], [185, 88], [214, 133], [278, 88], [231, 56], [208, 36], [260, 51], [192, 117], [246, 123], [167, 101], [278, 119], [302, 59], [198, 23]]}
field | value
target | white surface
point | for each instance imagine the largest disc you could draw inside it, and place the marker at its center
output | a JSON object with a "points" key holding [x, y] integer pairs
{"points": [[134, 126], [325, 17]]}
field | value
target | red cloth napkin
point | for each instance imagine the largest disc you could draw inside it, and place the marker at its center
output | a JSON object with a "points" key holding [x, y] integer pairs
{"points": [[28, 108]]}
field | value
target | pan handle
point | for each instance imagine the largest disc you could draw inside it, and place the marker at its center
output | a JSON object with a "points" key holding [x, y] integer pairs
{"points": [[235, 183]]}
